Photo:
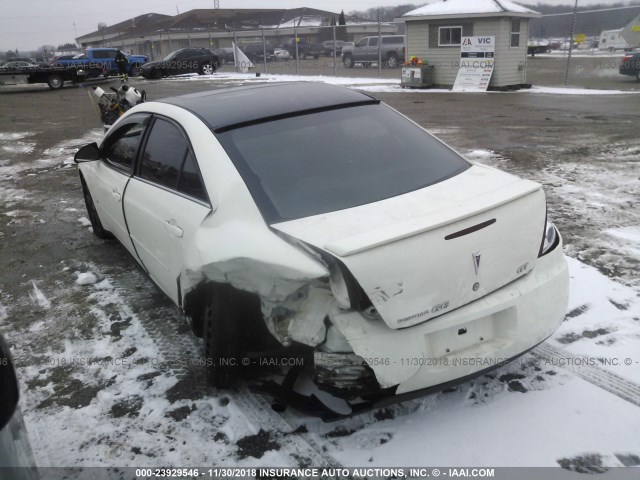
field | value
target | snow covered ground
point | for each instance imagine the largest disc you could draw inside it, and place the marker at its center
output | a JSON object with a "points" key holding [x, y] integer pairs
{"points": [[376, 85], [110, 373]]}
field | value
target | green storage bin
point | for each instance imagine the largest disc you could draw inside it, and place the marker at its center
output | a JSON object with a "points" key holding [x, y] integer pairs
{"points": [[417, 77]]}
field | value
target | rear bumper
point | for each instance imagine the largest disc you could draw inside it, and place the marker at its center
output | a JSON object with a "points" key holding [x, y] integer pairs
{"points": [[629, 71], [470, 340]]}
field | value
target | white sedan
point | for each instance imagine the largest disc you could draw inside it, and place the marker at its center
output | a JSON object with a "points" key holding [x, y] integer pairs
{"points": [[391, 262], [281, 54]]}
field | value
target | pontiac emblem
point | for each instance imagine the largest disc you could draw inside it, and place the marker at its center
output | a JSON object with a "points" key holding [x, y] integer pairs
{"points": [[476, 261]]}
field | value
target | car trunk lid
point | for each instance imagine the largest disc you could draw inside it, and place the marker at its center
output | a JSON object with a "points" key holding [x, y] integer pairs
{"points": [[427, 252]]}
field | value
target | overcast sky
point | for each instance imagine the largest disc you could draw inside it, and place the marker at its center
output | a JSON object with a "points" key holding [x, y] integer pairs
{"points": [[28, 24]]}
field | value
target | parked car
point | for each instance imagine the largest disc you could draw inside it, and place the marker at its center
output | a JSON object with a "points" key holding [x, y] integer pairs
{"points": [[186, 60], [19, 64], [15, 449], [21, 59], [365, 51], [327, 47], [225, 55], [381, 245], [281, 54], [304, 49], [255, 52], [630, 65]]}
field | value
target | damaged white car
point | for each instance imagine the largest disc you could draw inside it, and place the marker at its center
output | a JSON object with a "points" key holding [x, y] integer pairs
{"points": [[347, 230]]}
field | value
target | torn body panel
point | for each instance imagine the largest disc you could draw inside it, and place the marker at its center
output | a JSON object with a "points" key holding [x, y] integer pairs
{"points": [[493, 329]]}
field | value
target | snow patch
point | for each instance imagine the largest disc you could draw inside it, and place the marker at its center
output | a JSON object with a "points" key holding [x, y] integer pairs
{"points": [[379, 85], [480, 154], [86, 278], [18, 148], [4, 313], [84, 221], [38, 297], [463, 7], [626, 233], [10, 137]]}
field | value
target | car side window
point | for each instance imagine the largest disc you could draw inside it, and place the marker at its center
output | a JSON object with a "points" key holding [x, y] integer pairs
{"points": [[121, 147], [373, 42], [181, 56], [168, 161], [164, 154], [190, 180], [362, 43]]}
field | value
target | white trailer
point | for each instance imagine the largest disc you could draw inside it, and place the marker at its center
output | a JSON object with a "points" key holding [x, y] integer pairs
{"points": [[612, 40]]}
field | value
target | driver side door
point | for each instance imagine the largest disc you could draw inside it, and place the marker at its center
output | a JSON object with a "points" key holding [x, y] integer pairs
{"points": [[108, 178]]}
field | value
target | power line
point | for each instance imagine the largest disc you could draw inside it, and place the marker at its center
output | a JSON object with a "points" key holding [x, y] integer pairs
{"points": [[592, 11]]}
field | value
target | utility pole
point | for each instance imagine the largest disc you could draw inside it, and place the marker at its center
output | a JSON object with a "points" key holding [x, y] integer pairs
{"points": [[573, 32]]}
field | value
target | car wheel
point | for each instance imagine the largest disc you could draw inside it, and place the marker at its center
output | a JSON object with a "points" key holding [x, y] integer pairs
{"points": [[98, 230], [55, 81], [223, 326], [135, 71], [348, 61], [638, 76], [207, 69], [392, 60], [316, 57]]}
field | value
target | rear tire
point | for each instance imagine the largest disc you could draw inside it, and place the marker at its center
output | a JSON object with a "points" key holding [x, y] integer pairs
{"points": [[226, 322], [135, 71], [392, 60], [98, 230], [55, 81], [348, 61], [206, 69]]}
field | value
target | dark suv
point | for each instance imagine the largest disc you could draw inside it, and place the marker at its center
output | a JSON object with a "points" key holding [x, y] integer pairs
{"points": [[255, 52], [304, 49], [631, 65], [187, 60]]}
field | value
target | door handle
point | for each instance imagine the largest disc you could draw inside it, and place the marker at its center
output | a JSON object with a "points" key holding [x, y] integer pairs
{"points": [[116, 195], [173, 229]]}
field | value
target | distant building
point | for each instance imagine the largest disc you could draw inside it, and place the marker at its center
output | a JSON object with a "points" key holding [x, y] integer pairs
{"points": [[434, 32], [157, 35]]}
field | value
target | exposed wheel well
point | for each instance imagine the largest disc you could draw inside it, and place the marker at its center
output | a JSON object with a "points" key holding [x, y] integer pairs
{"points": [[196, 299]]}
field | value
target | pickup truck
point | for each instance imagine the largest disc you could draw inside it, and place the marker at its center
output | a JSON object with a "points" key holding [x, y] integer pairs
{"points": [[365, 51], [103, 60]]}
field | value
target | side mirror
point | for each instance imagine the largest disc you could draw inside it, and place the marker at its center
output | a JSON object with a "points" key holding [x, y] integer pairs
{"points": [[88, 153], [8, 385]]}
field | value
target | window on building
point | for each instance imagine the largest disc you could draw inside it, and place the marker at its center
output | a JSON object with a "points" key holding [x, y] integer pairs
{"points": [[449, 36], [515, 32]]}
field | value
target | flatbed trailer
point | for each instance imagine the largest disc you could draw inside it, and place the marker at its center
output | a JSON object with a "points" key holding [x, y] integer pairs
{"points": [[53, 76]]}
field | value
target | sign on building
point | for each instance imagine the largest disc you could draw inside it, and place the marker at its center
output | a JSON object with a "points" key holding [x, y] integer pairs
{"points": [[476, 64]]}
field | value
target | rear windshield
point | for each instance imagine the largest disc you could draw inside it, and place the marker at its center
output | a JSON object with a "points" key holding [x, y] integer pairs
{"points": [[388, 40], [322, 162]]}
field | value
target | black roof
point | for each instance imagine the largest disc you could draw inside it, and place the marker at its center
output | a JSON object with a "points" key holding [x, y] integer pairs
{"points": [[225, 109]]}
